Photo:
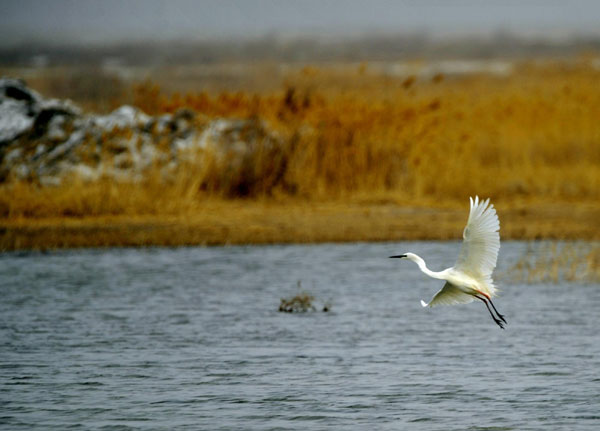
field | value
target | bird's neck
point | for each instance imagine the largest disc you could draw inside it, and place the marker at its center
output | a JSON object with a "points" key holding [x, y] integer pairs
{"points": [[423, 267]]}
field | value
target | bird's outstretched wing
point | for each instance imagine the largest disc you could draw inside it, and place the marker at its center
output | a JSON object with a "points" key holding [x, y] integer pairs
{"points": [[481, 240], [448, 295]]}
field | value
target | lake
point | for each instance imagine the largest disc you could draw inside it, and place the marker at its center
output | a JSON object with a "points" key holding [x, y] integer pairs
{"points": [[191, 338]]}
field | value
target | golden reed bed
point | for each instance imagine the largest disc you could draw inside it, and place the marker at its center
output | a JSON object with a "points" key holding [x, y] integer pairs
{"points": [[367, 157], [250, 222]]}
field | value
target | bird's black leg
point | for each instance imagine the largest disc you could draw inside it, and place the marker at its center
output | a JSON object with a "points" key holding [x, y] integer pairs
{"points": [[499, 315], [498, 322]]}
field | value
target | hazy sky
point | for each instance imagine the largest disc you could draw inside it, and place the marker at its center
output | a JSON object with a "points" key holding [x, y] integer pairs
{"points": [[111, 20]]}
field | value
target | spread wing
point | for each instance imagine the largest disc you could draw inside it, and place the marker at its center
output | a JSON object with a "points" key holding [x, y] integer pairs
{"points": [[448, 295], [481, 240]]}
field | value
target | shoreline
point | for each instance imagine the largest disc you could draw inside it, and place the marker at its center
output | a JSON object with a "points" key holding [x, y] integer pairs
{"points": [[251, 222]]}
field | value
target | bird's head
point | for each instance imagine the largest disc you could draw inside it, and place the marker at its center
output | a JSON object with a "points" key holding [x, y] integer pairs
{"points": [[409, 256]]}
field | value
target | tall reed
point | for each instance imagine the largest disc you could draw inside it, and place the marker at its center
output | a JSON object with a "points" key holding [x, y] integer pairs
{"points": [[533, 135]]}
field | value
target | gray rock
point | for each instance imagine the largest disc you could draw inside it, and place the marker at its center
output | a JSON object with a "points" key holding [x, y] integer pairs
{"points": [[55, 112], [125, 117], [60, 151], [14, 120], [16, 89], [50, 139], [17, 109], [55, 130]]}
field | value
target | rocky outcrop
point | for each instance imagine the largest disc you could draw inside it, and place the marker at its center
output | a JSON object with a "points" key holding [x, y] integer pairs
{"points": [[48, 140]]}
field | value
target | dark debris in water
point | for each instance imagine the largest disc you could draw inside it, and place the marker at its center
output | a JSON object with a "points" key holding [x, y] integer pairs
{"points": [[300, 303]]}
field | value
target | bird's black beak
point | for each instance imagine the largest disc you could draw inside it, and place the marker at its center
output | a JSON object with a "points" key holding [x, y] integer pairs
{"points": [[399, 256]]}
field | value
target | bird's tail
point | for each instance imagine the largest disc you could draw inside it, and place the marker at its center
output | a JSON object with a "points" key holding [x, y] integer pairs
{"points": [[424, 304]]}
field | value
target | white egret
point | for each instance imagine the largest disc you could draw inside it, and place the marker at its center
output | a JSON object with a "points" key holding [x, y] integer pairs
{"points": [[471, 276]]}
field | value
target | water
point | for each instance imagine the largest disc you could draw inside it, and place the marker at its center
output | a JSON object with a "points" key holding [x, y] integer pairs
{"points": [[191, 338]]}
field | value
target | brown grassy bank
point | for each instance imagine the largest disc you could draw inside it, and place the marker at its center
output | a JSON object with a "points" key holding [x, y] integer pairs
{"points": [[367, 156], [252, 222]]}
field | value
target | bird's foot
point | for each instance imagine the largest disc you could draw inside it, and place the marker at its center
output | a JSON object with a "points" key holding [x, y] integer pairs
{"points": [[499, 323], [502, 318]]}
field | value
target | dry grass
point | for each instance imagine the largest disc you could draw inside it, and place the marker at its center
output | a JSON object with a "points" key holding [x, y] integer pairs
{"points": [[554, 262], [360, 139], [532, 135], [263, 221]]}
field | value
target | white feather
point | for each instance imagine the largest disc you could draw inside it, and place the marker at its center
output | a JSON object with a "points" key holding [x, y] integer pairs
{"points": [[481, 241], [449, 295]]}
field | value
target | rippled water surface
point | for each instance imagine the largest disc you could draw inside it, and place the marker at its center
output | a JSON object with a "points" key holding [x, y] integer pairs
{"points": [[191, 338]]}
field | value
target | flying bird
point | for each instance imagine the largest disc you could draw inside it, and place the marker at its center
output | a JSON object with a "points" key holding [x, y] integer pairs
{"points": [[471, 277]]}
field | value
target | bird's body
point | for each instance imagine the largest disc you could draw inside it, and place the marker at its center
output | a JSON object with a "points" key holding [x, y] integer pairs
{"points": [[471, 277]]}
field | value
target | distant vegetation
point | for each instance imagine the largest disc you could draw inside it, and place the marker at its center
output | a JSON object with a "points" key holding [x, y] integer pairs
{"points": [[352, 133], [299, 49], [532, 134], [555, 262]]}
